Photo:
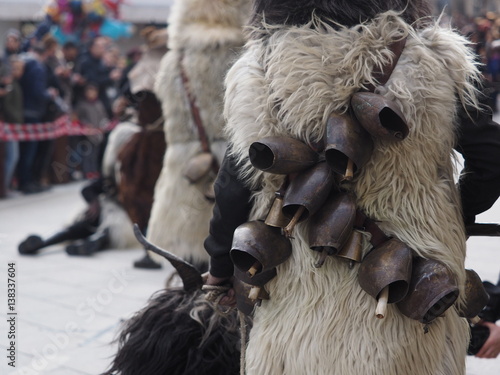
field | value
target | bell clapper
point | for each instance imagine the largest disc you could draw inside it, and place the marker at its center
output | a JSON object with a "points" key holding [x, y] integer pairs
{"points": [[291, 225], [381, 309], [426, 328], [254, 269], [254, 293], [349, 172], [322, 258]]}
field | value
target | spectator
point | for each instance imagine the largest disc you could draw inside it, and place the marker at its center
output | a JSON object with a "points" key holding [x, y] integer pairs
{"points": [[91, 68], [36, 96], [54, 109], [12, 113], [485, 336], [12, 43], [90, 111], [65, 70]]}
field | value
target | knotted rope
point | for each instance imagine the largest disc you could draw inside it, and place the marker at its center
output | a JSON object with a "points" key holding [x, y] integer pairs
{"points": [[214, 293]]}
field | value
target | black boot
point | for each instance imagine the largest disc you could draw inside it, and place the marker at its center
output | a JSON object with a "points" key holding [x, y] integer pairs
{"points": [[30, 245], [90, 245], [147, 262], [33, 243]]}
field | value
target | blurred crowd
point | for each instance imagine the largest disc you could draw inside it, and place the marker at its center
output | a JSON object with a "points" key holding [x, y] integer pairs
{"points": [[42, 80], [484, 33]]}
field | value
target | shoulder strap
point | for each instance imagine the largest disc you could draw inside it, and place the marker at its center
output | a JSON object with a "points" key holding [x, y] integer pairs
{"points": [[383, 75], [195, 112]]}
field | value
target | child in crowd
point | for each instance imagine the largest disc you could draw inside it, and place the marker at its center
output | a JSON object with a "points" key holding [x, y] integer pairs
{"points": [[12, 98], [91, 112]]}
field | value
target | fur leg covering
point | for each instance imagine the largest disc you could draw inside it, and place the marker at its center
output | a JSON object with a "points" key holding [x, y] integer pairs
{"points": [[205, 38], [117, 221]]}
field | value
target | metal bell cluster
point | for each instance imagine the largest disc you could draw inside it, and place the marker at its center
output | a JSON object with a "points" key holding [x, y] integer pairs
{"points": [[422, 289], [312, 192]]}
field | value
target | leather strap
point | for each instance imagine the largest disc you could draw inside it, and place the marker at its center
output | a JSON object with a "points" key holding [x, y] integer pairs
{"points": [[195, 112], [383, 75], [364, 223]]}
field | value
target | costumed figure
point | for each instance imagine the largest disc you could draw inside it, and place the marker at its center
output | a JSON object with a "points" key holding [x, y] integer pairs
{"points": [[141, 158], [178, 332], [104, 224], [204, 39], [341, 119]]}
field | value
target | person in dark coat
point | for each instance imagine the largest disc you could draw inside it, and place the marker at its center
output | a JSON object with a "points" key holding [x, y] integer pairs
{"points": [[36, 96], [90, 68]]}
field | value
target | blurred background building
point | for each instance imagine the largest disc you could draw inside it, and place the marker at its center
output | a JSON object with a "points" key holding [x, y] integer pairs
{"points": [[25, 14]]}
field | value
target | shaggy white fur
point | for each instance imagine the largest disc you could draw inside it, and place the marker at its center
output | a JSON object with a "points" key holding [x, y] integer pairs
{"points": [[114, 217], [319, 321], [208, 36], [118, 137]]}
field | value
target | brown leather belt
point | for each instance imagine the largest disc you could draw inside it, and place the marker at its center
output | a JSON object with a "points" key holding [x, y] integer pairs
{"points": [[364, 223], [383, 75]]}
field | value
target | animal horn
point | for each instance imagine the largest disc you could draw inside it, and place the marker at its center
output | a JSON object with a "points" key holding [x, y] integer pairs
{"points": [[191, 277]]}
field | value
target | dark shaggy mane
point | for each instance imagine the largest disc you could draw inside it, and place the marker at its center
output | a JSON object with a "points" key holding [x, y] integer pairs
{"points": [[345, 12], [163, 339]]}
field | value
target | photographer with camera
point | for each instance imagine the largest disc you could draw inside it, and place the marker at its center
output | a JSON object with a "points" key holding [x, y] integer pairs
{"points": [[485, 336]]}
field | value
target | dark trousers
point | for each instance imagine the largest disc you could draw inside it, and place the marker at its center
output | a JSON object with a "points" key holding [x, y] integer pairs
{"points": [[27, 154], [41, 164]]}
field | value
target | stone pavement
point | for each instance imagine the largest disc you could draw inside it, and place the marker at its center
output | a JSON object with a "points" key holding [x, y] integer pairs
{"points": [[69, 308]]}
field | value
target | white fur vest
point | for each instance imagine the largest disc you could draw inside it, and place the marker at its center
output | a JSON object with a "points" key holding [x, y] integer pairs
{"points": [[319, 321], [206, 36]]}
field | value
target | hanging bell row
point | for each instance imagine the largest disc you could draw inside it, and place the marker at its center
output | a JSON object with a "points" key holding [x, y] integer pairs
{"points": [[422, 289], [348, 139]]}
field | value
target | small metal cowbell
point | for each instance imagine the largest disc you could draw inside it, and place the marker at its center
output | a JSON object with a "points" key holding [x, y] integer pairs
{"points": [[433, 289], [275, 216], [387, 265], [353, 248], [476, 297], [259, 279], [306, 193], [244, 302], [281, 155], [331, 226], [258, 248], [380, 117], [348, 145]]}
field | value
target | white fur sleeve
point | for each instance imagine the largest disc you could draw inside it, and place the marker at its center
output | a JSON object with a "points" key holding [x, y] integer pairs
{"points": [[244, 110]]}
